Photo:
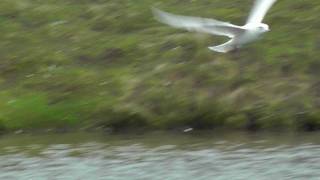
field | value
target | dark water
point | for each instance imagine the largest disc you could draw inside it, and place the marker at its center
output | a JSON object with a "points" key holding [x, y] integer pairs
{"points": [[161, 156]]}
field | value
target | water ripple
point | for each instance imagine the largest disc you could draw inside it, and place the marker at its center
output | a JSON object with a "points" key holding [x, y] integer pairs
{"points": [[220, 160]]}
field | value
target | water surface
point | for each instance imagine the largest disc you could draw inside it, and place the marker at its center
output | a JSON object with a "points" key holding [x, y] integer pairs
{"points": [[160, 156]]}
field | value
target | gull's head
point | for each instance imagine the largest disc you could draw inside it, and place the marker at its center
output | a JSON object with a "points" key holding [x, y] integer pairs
{"points": [[263, 27]]}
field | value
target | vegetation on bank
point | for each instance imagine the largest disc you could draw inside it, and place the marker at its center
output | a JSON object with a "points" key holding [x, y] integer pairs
{"points": [[100, 63]]}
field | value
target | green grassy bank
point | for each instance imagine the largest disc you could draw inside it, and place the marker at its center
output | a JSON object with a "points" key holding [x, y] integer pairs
{"points": [[102, 63]]}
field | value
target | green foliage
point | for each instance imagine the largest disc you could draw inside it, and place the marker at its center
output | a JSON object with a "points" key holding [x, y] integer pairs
{"points": [[238, 121], [73, 63], [25, 110]]}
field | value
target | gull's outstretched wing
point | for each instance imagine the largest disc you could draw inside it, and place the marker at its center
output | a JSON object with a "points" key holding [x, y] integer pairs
{"points": [[224, 48], [204, 25], [259, 10]]}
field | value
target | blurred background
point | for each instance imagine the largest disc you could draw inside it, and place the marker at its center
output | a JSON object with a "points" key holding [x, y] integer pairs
{"points": [[108, 65], [99, 63]]}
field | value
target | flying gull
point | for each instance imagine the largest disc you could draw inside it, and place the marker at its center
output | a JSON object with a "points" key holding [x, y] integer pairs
{"points": [[239, 35]]}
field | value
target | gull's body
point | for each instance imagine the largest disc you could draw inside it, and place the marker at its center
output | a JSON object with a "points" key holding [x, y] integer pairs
{"points": [[239, 35]]}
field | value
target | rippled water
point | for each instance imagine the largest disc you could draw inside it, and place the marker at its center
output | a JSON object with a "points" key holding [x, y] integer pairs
{"points": [[160, 156]]}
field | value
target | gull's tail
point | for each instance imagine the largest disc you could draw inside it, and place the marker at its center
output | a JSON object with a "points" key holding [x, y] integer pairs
{"points": [[224, 48]]}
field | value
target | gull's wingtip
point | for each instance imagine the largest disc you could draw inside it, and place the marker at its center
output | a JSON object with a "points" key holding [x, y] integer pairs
{"points": [[223, 48], [219, 49], [162, 16], [153, 9], [216, 49], [156, 11]]}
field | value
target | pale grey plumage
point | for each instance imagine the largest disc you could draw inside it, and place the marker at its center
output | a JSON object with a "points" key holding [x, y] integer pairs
{"points": [[239, 34], [259, 10]]}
